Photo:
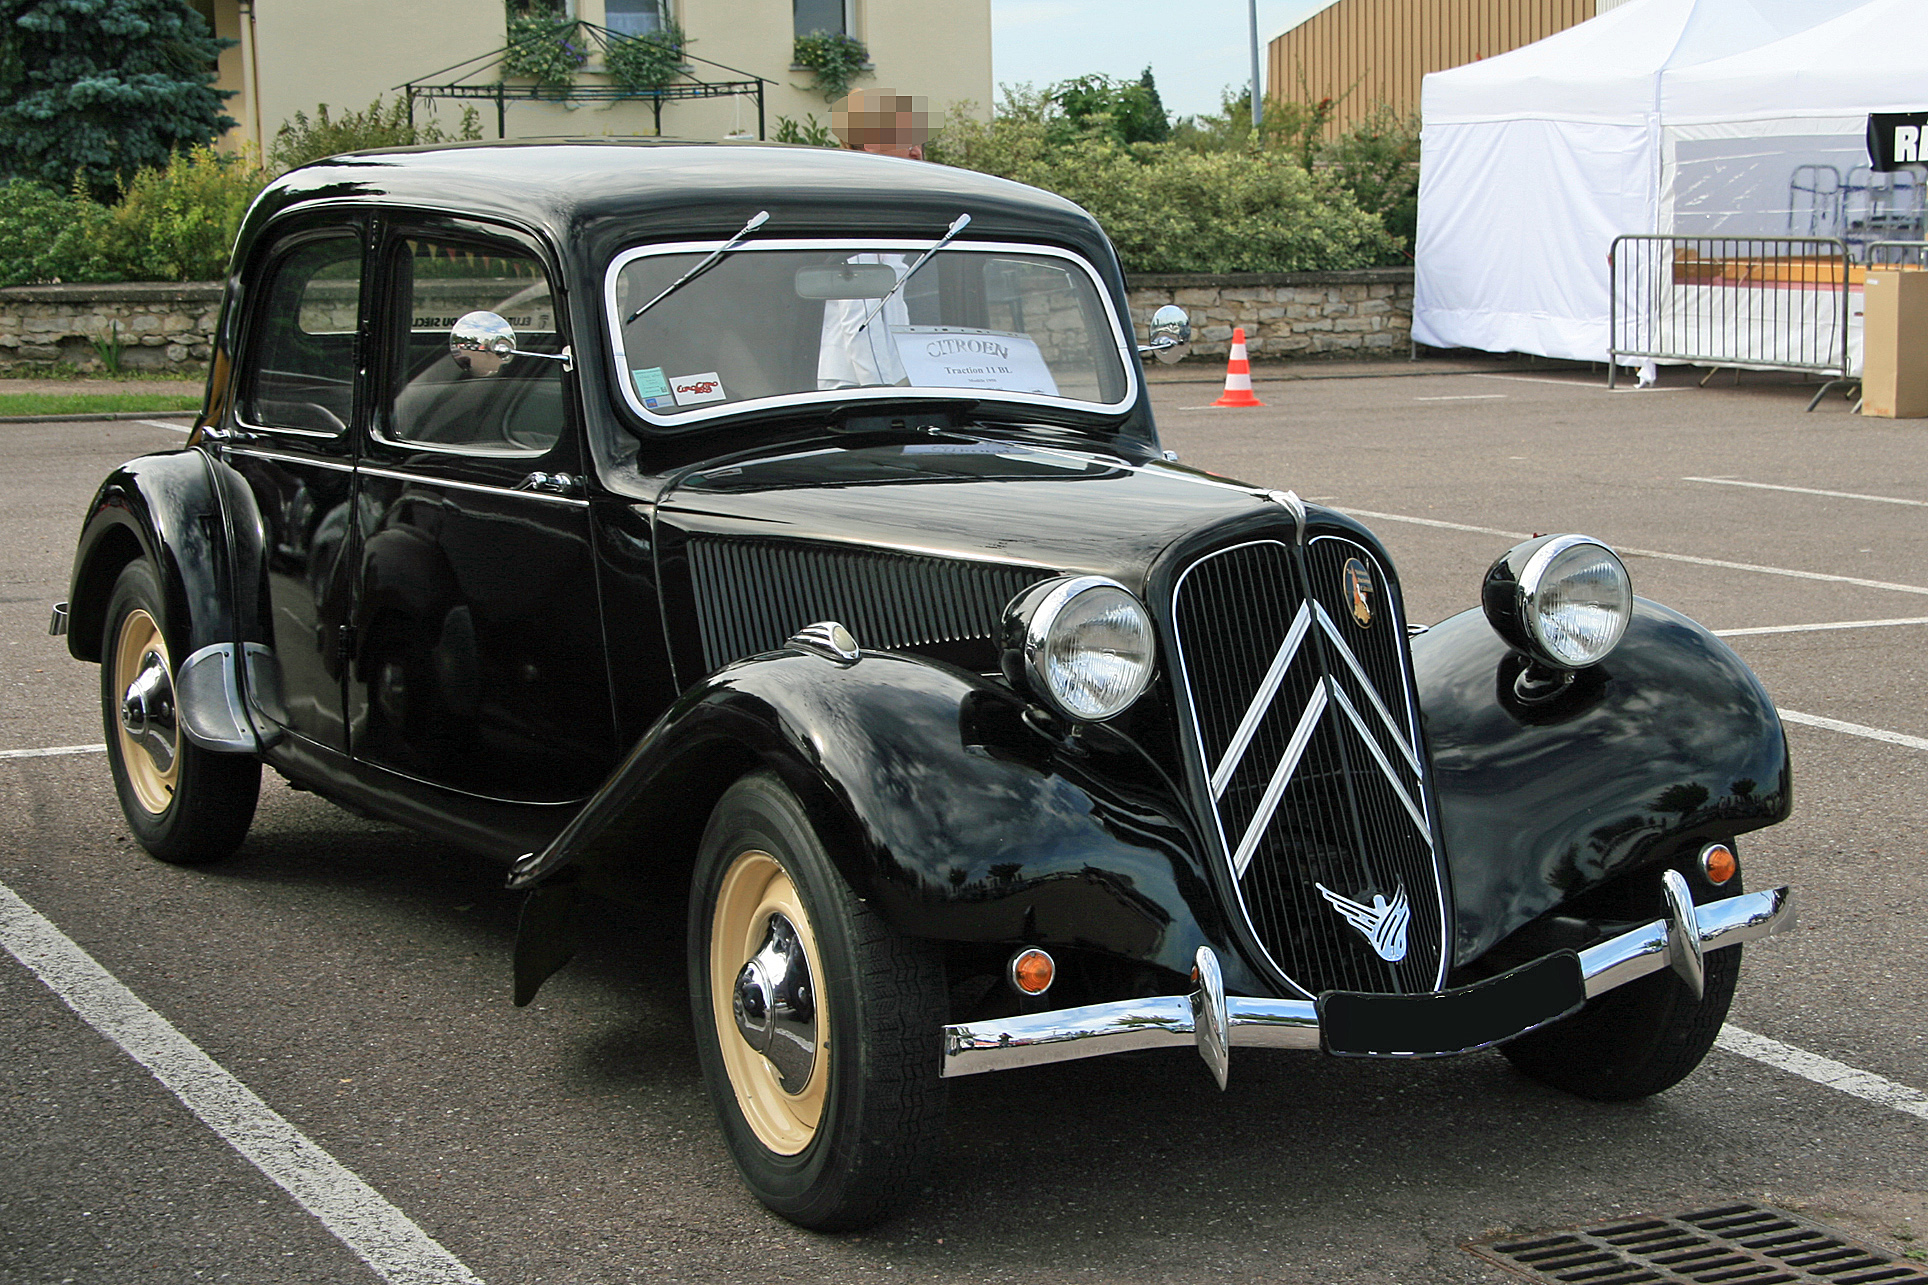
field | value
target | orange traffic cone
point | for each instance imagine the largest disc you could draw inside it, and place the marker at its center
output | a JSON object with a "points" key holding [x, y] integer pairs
{"points": [[1238, 376]]}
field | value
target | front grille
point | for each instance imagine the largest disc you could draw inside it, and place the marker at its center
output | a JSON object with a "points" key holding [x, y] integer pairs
{"points": [[752, 594], [1306, 740]]}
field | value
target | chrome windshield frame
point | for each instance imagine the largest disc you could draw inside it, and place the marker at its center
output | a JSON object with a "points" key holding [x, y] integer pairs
{"points": [[1122, 341]]}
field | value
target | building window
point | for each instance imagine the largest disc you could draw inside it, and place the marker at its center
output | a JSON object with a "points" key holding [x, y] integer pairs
{"points": [[823, 17], [636, 17]]}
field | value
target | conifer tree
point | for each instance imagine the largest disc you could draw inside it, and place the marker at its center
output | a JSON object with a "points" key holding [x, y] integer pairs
{"points": [[101, 88]]}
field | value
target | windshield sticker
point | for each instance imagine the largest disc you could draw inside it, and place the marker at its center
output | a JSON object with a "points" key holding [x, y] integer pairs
{"points": [[650, 383], [946, 357], [691, 390]]}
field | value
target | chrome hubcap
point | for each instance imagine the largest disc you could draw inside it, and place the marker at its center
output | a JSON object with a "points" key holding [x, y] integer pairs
{"points": [[147, 711], [776, 1005]]}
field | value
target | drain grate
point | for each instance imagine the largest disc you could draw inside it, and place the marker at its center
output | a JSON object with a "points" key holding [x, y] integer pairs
{"points": [[1728, 1245]]}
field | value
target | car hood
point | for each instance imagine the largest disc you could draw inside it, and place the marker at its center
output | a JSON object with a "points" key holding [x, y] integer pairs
{"points": [[1064, 509]]}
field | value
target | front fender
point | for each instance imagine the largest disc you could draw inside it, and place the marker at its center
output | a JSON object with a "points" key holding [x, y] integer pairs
{"points": [[1670, 741], [939, 803]]}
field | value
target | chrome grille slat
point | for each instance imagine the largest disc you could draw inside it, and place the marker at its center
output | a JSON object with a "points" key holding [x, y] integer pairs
{"points": [[1306, 786]]}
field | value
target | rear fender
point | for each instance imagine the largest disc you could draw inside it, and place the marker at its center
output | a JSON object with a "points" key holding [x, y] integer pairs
{"points": [[1671, 741], [940, 804], [194, 520]]}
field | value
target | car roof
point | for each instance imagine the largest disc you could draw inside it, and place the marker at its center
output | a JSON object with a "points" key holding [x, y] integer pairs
{"points": [[585, 193]]}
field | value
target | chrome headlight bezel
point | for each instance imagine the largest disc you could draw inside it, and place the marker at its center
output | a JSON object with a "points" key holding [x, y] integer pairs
{"points": [[1032, 625], [1515, 592]]}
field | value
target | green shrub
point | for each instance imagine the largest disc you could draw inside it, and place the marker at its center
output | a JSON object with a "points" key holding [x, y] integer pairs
{"points": [[640, 63], [835, 62], [179, 223], [48, 236], [303, 139], [1170, 208], [814, 132]]}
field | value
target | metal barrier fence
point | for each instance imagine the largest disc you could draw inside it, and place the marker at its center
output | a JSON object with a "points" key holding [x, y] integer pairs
{"points": [[1755, 303], [1893, 254]]}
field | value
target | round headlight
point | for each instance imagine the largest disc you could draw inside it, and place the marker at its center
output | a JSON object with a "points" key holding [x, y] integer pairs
{"points": [[1563, 599], [1082, 644]]}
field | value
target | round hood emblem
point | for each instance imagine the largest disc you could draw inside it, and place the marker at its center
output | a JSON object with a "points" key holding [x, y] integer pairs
{"points": [[1359, 591]]}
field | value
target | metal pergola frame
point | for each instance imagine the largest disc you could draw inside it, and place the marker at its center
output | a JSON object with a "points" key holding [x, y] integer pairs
{"points": [[463, 87]]}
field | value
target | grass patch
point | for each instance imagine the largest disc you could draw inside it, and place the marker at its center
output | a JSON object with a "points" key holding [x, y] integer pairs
{"points": [[154, 403]]}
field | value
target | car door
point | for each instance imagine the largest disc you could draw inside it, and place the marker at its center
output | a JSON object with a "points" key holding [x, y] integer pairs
{"points": [[478, 647], [291, 434]]}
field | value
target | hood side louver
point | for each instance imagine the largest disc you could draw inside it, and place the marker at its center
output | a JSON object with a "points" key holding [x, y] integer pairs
{"points": [[752, 594]]}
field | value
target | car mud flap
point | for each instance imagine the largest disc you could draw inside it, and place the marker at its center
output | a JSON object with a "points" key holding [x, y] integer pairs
{"points": [[546, 937], [1456, 1021]]}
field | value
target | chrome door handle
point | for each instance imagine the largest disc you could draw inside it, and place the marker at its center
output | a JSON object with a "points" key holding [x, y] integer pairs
{"points": [[550, 483]]}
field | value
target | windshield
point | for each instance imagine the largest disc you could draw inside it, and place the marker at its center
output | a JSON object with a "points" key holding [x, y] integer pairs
{"points": [[817, 321]]}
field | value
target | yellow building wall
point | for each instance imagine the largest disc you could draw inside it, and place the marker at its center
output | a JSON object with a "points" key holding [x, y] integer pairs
{"points": [[1361, 53], [295, 54]]}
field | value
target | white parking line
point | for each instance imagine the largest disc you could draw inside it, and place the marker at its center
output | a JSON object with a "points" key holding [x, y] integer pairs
{"points": [[380, 1234], [1466, 397], [1854, 729], [1807, 490], [1824, 1071], [1807, 629], [1652, 553], [53, 751], [1575, 383], [170, 427]]}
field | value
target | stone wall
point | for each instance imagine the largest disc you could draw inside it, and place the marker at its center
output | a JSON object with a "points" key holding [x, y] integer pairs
{"points": [[159, 326], [1366, 313]]}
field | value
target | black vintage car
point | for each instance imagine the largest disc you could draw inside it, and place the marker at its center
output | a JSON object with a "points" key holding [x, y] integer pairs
{"points": [[783, 534]]}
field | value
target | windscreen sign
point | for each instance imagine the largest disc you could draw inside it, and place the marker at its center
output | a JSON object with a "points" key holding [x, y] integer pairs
{"points": [[1896, 139]]}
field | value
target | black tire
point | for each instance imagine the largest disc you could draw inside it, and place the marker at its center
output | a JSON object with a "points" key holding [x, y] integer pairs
{"points": [[880, 999], [199, 808], [1636, 1040]]}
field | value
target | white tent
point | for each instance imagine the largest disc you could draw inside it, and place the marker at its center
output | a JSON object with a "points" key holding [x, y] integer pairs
{"points": [[1773, 140], [1532, 162]]}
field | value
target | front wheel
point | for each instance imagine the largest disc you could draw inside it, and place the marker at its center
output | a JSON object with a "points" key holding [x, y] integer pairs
{"points": [[183, 803], [1636, 1040], [817, 1025]]}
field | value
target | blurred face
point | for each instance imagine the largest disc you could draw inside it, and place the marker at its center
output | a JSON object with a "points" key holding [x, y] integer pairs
{"points": [[884, 121]]}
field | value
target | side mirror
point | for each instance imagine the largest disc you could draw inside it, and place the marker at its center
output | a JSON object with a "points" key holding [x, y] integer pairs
{"points": [[482, 343], [1171, 334]]}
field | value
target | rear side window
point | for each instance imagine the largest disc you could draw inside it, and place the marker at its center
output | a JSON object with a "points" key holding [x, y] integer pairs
{"points": [[475, 404], [302, 375]]}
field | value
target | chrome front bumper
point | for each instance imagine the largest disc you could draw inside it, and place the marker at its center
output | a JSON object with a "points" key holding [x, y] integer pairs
{"points": [[1216, 1022]]}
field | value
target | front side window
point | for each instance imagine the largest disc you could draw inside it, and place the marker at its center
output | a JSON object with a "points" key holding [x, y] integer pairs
{"points": [[450, 400], [302, 372], [838, 322]]}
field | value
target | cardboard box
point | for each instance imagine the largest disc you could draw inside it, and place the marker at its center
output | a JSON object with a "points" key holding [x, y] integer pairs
{"points": [[1894, 344]]}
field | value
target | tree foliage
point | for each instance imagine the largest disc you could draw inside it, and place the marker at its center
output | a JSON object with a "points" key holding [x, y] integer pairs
{"points": [[1126, 111], [103, 88]]}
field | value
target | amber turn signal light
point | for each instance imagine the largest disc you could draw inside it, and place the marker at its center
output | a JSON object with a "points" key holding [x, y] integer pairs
{"points": [[1032, 971], [1718, 863]]}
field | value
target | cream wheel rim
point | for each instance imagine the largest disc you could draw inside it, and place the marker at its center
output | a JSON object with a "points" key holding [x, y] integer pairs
{"points": [[140, 638], [754, 888]]}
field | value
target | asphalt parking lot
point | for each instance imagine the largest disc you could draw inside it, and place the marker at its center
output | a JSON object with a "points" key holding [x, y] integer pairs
{"points": [[356, 978]]}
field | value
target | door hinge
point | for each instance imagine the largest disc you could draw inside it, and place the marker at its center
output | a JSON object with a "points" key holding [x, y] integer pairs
{"points": [[345, 643]]}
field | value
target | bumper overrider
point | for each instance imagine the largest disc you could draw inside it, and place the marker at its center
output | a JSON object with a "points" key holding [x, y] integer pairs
{"points": [[1348, 1023]]}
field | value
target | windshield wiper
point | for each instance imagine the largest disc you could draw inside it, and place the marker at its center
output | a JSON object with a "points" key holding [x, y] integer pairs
{"points": [[756, 221], [958, 224]]}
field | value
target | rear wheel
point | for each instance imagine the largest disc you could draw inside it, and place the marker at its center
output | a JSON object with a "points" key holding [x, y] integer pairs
{"points": [[1636, 1040], [817, 1024], [183, 803]]}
